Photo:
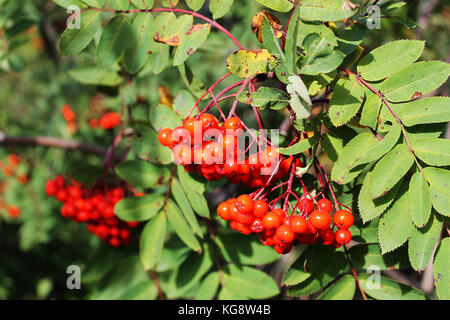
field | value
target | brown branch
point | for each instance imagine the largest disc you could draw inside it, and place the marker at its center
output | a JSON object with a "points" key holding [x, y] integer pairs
{"points": [[53, 142]]}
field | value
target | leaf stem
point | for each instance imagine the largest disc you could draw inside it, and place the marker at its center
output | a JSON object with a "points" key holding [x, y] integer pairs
{"points": [[192, 13], [391, 110]]}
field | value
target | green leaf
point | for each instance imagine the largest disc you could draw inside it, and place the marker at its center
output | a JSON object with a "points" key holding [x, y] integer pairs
{"points": [[231, 293], [305, 28], [189, 274], [332, 146], [371, 208], [277, 5], [422, 243], [347, 98], [290, 45], [321, 276], [148, 147], [266, 98], [324, 10], [296, 272], [179, 224], [426, 110], [143, 4], [350, 39], [152, 241], [390, 169], [419, 193], [113, 40], [169, 29], [192, 189], [74, 41], [383, 147], [300, 146], [439, 190], [143, 174], [388, 289], [62, 3], [96, 76], [366, 255], [367, 233], [246, 63], [183, 103], [253, 283], [194, 84], [271, 42], [127, 280], [319, 56], [208, 287], [195, 5], [162, 116], [119, 4], [395, 226], [389, 58], [343, 289], [347, 167], [369, 113], [419, 78], [169, 3], [139, 208], [219, 8], [183, 203], [241, 250], [300, 100], [189, 181], [174, 254], [190, 42], [441, 271], [432, 151], [95, 3], [137, 52]]}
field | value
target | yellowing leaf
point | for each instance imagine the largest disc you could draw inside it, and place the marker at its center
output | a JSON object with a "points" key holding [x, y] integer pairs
{"points": [[246, 63]]}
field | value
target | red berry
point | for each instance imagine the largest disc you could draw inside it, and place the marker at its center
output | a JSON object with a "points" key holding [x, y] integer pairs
{"points": [[320, 219], [285, 234], [298, 224], [233, 123], [223, 211], [324, 205], [257, 226], [271, 220], [208, 121], [245, 203], [343, 219], [343, 236], [50, 188], [260, 208], [327, 235], [306, 205], [164, 137]]}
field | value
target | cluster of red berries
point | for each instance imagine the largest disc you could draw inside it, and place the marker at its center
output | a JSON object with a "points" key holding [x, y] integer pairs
{"points": [[279, 229], [108, 121], [95, 206], [214, 151], [11, 169], [70, 118]]}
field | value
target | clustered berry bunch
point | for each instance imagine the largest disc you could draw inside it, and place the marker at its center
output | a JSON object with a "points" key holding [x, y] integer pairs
{"points": [[214, 150], [11, 169], [108, 121], [69, 117], [95, 206], [278, 228]]}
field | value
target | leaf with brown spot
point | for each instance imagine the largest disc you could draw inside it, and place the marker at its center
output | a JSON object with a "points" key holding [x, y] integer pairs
{"points": [[258, 21]]}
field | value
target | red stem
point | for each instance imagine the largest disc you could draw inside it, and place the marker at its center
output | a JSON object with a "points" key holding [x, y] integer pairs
{"points": [[195, 14]]}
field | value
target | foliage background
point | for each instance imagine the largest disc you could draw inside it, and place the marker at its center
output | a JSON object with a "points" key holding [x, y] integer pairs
{"points": [[36, 248]]}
